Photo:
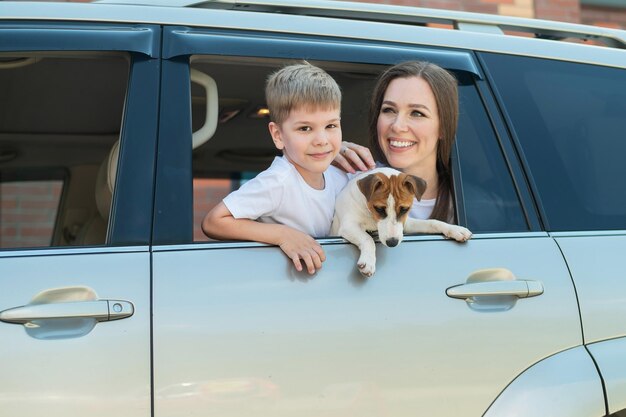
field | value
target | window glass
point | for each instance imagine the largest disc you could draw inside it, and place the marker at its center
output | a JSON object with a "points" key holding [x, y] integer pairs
{"points": [[28, 211], [569, 121], [491, 202], [61, 117]]}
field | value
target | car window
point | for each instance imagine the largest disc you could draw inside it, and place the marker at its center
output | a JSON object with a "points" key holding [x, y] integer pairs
{"points": [[59, 132], [569, 123], [490, 200], [241, 145]]}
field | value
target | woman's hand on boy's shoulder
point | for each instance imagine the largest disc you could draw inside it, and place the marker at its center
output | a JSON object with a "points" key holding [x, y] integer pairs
{"points": [[353, 157]]}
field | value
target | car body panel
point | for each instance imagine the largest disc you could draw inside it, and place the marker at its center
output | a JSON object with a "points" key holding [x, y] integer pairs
{"points": [[256, 336], [597, 267], [610, 357], [101, 373], [566, 384]]}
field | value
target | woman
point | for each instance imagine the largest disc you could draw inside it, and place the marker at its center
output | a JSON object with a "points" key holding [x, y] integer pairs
{"points": [[412, 125]]}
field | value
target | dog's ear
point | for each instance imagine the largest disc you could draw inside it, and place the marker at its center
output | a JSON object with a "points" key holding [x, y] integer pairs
{"points": [[369, 184], [415, 185]]}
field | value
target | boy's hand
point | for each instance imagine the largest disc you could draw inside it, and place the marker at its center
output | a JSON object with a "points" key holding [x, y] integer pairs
{"points": [[301, 247]]}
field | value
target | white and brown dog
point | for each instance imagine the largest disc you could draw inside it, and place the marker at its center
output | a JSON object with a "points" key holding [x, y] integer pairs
{"points": [[380, 200]]}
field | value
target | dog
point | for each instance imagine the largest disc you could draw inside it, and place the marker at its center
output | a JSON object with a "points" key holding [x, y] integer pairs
{"points": [[380, 200]]}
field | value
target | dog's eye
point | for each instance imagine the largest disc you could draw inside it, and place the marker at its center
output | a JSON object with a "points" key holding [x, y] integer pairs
{"points": [[381, 210], [403, 210]]}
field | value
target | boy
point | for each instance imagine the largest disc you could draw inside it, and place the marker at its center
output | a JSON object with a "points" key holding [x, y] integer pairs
{"points": [[294, 198]]}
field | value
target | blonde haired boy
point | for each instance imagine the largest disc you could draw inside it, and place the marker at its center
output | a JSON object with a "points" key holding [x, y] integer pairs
{"points": [[294, 198]]}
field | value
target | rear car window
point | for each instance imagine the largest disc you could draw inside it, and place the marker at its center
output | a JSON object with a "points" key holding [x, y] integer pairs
{"points": [[569, 123], [59, 126]]}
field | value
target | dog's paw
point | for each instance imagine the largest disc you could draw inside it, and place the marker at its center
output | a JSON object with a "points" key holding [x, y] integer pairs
{"points": [[458, 233], [366, 265]]}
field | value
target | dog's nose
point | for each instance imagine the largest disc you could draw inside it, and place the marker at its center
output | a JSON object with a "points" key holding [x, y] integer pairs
{"points": [[392, 242]]}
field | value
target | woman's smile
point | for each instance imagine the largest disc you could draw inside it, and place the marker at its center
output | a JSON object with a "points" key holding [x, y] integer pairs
{"points": [[400, 144]]}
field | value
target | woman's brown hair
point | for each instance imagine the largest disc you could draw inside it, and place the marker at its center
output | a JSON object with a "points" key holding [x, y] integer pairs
{"points": [[444, 87]]}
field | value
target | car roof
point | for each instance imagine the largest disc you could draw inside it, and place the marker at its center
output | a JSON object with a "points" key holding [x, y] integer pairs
{"points": [[473, 31]]}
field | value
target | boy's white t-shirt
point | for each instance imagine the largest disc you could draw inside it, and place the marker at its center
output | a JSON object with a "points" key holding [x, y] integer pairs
{"points": [[280, 195]]}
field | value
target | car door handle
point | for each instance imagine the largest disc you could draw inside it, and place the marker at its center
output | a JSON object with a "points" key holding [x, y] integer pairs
{"points": [[517, 288], [100, 310]]}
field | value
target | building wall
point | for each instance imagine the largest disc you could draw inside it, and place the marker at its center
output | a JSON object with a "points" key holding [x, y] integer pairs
{"points": [[604, 16], [562, 10]]}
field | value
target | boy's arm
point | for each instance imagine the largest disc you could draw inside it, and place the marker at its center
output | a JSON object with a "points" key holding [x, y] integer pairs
{"points": [[219, 223]]}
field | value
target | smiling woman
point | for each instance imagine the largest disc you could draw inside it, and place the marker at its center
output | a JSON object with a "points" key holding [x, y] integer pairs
{"points": [[412, 126]]}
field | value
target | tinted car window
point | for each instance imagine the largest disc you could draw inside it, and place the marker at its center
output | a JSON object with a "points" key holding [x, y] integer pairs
{"points": [[60, 121], [490, 200], [569, 122]]}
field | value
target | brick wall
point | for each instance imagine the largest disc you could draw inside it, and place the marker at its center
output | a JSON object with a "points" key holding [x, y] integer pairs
{"points": [[27, 212], [604, 16], [206, 194], [560, 10]]}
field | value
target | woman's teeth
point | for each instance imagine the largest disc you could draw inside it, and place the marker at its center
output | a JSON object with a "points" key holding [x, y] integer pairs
{"points": [[399, 144]]}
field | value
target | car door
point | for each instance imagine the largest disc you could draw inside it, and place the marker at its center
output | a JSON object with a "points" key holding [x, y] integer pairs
{"points": [[437, 331], [575, 157], [75, 273]]}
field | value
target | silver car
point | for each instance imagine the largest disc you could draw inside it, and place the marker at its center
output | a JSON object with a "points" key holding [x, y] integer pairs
{"points": [[122, 125]]}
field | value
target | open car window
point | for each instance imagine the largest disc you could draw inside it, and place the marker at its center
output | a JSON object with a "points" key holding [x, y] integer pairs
{"points": [[241, 145]]}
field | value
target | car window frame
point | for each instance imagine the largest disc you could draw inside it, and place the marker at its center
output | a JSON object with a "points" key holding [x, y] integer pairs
{"points": [[138, 131], [173, 221]]}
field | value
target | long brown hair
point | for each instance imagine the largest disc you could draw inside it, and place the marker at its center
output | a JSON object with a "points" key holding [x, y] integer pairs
{"points": [[444, 87]]}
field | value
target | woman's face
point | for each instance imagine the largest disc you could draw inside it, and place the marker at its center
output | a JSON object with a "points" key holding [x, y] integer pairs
{"points": [[408, 126]]}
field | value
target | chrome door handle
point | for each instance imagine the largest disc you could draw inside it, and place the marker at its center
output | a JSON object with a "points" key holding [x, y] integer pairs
{"points": [[517, 288], [100, 310]]}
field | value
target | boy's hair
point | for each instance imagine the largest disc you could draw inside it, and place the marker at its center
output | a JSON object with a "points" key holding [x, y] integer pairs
{"points": [[300, 85]]}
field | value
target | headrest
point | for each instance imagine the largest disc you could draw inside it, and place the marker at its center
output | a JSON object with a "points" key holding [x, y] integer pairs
{"points": [[105, 181]]}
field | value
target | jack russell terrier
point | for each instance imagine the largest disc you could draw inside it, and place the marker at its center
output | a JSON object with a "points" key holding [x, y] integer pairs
{"points": [[380, 200]]}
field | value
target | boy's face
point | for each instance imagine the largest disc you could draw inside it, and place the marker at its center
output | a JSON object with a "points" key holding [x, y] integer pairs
{"points": [[310, 138]]}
